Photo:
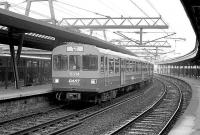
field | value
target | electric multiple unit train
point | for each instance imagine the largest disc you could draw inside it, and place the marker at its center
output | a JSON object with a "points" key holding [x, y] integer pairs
{"points": [[82, 72]]}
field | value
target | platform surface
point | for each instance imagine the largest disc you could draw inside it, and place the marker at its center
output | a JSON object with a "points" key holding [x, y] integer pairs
{"points": [[189, 122], [11, 93]]}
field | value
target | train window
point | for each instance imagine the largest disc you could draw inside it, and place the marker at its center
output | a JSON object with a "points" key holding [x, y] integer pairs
{"points": [[74, 62], [137, 67], [60, 62], [106, 63], [90, 62], [102, 64], [130, 66], [127, 65], [116, 65], [133, 66], [111, 66], [146, 67], [143, 66]]}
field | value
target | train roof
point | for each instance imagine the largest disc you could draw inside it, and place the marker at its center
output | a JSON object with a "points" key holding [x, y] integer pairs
{"points": [[109, 52], [106, 51]]}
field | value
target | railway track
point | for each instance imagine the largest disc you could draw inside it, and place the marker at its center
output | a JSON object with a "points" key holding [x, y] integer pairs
{"points": [[53, 122], [186, 93], [40, 111], [156, 118], [14, 126], [102, 122], [148, 121]]}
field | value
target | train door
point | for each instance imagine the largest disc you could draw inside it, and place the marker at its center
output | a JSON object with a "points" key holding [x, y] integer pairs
{"points": [[122, 72], [106, 72]]}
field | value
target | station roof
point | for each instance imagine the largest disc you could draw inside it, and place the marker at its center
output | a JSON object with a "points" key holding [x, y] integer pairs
{"points": [[24, 24], [192, 9]]}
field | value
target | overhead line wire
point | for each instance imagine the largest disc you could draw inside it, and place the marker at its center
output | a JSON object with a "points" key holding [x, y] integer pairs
{"points": [[107, 6], [60, 9], [35, 12], [84, 9], [65, 10], [144, 13], [153, 7], [139, 8]]}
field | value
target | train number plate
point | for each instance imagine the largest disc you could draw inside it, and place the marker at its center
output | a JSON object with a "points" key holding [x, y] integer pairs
{"points": [[74, 82]]}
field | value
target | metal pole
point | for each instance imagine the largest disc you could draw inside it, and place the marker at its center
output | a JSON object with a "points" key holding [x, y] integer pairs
{"points": [[6, 74], [28, 6], [15, 71], [104, 34], [140, 36], [52, 11], [20, 48], [12, 52]]}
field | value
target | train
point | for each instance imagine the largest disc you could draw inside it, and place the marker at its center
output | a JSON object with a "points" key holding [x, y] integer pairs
{"points": [[83, 72]]}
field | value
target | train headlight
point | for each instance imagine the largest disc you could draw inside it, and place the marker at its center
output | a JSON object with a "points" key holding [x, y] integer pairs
{"points": [[93, 81], [56, 80]]}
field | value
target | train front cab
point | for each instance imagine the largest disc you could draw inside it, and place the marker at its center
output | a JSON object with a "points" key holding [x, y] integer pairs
{"points": [[75, 73]]}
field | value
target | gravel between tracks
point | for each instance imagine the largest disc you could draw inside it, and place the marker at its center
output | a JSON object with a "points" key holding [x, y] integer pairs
{"points": [[101, 123]]}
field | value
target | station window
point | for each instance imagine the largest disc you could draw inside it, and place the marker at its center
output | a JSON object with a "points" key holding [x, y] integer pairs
{"points": [[90, 62], [102, 64], [28, 64], [116, 65], [60, 62], [74, 62], [111, 66], [34, 63], [1, 62]]}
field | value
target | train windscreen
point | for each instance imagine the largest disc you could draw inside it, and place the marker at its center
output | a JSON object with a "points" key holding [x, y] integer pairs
{"points": [[60, 62], [74, 62], [90, 62]]}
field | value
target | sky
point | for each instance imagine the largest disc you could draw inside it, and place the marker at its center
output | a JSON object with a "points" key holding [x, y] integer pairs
{"points": [[171, 12]]}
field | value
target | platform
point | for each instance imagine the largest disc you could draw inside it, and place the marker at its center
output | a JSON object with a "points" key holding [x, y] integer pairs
{"points": [[11, 93], [189, 122]]}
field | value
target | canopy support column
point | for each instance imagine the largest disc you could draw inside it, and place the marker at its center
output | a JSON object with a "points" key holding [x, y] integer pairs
{"points": [[15, 58]]}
